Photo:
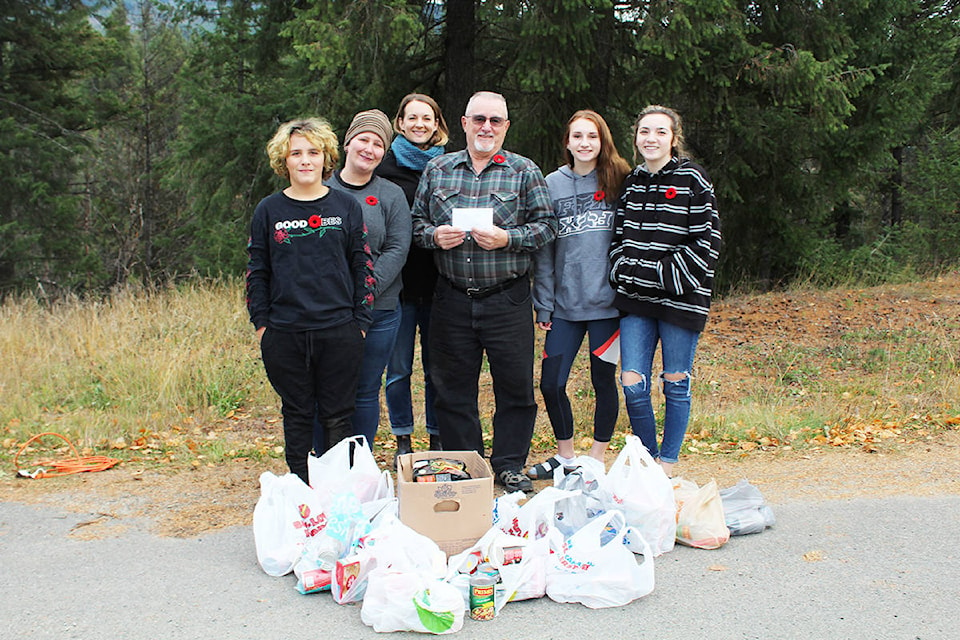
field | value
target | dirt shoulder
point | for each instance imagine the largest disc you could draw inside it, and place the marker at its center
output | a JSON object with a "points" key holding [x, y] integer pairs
{"points": [[191, 502]]}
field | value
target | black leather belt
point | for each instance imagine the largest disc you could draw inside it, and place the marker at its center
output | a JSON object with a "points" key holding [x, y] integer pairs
{"points": [[477, 293]]}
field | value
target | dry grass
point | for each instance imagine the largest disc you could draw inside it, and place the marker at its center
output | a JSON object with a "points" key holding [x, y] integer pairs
{"points": [[137, 362], [159, 376]]}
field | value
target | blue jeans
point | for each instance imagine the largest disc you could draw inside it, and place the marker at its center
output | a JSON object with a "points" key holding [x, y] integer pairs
{"points": [[559, 352], [377, 348], [400, 367], [461, 330], [638, 341]]}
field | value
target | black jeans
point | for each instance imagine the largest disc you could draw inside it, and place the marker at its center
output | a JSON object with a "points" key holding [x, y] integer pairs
{"points": [[461, 329], [314, 373]]}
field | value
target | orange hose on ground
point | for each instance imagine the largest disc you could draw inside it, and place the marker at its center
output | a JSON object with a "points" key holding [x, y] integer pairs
{"points": [[62, 467]]}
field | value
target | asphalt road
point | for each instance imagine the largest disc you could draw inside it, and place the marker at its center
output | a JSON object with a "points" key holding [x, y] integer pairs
{"points": [[864, 568]]}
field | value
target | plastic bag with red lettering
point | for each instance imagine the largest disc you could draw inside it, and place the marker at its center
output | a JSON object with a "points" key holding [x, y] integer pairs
{"points": [[595, 568], [642, 491], [506, 508], [287, 514], [700, 521]]}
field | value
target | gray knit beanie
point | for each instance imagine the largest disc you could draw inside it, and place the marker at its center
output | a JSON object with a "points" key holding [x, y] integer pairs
{"points": [[374, 121]]}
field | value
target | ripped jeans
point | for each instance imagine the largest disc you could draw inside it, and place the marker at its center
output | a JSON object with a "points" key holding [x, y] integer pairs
{"points": [[639, 336]]}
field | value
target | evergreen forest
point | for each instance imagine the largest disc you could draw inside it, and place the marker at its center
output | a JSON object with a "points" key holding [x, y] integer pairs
{"points": [[132, 132]]}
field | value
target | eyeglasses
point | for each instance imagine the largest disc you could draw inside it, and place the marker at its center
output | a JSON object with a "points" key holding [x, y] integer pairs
{"points": [[495, 121]]}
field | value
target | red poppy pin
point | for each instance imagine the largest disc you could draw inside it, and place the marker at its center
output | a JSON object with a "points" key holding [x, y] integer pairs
{"points": [[671, 193], [499, 159], [314, 221], [372, 201], [599, 195]]}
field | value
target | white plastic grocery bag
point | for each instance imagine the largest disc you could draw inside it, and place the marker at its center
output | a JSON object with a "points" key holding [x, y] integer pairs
{"points": [[506, 509], [349, 465], [595, 568], [522, 570], [394, 545], [535, 517], [590, 479], [410, 601], [287, 514], [642, 491]]}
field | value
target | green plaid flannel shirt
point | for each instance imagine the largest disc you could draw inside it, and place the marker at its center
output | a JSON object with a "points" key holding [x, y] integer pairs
{"points": [[513, 186]]}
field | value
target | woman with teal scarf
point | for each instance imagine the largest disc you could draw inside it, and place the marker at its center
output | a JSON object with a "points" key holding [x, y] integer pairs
{"points": [[423, 132]]}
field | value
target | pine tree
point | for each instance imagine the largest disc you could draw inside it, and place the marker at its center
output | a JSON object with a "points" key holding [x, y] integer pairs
{"points": [[47, 47]]}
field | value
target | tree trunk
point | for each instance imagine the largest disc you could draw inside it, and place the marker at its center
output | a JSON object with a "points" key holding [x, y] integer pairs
{"points": [[896, 184], [459, 63]]}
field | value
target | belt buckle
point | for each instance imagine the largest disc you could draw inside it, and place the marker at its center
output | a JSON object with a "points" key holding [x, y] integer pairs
{"points": [[472, 291]]}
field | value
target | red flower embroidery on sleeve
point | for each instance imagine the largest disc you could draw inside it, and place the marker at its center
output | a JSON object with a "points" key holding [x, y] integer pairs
{"points": [[499, 159], [372, 201], [599, 195], [671, 193]]}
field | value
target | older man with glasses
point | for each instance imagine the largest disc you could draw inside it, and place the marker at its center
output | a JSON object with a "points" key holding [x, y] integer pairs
{"points": [[487, 210]]}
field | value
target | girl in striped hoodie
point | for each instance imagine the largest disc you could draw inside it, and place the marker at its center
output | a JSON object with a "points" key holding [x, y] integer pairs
{"points": [[665, 247]]}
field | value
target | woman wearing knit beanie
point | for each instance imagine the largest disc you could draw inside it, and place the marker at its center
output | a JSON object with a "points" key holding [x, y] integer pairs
{"points": [[387, 217], [423, 132]]}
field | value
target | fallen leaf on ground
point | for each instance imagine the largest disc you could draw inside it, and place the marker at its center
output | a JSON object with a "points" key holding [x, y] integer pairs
{"points": [[813, 556]]}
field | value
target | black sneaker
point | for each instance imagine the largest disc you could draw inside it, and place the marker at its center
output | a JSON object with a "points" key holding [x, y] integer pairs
{"points": [[514, 481]]}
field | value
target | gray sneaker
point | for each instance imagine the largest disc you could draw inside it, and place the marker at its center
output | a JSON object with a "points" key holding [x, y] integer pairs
{"points": [[514, 481]]}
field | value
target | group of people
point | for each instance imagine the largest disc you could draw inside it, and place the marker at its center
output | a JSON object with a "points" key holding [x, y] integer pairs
{"points": [[347, 265]]}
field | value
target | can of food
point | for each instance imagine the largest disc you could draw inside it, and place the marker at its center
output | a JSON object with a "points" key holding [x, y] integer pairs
{"points": [[471, 562], [488, 568], [482, 604], [508, 555]]}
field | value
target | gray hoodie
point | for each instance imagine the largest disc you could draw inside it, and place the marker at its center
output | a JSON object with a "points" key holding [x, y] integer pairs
{"points": [[570, 274]]}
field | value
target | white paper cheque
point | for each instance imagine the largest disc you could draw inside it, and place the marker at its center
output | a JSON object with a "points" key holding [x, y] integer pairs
{"points": [[465, 218]]}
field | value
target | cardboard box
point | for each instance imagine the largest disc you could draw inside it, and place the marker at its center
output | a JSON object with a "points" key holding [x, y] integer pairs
{"points": [[453, 514]]}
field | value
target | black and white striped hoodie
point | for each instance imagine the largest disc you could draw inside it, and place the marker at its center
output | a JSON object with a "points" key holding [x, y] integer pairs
{"points": [[665, 244]]}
